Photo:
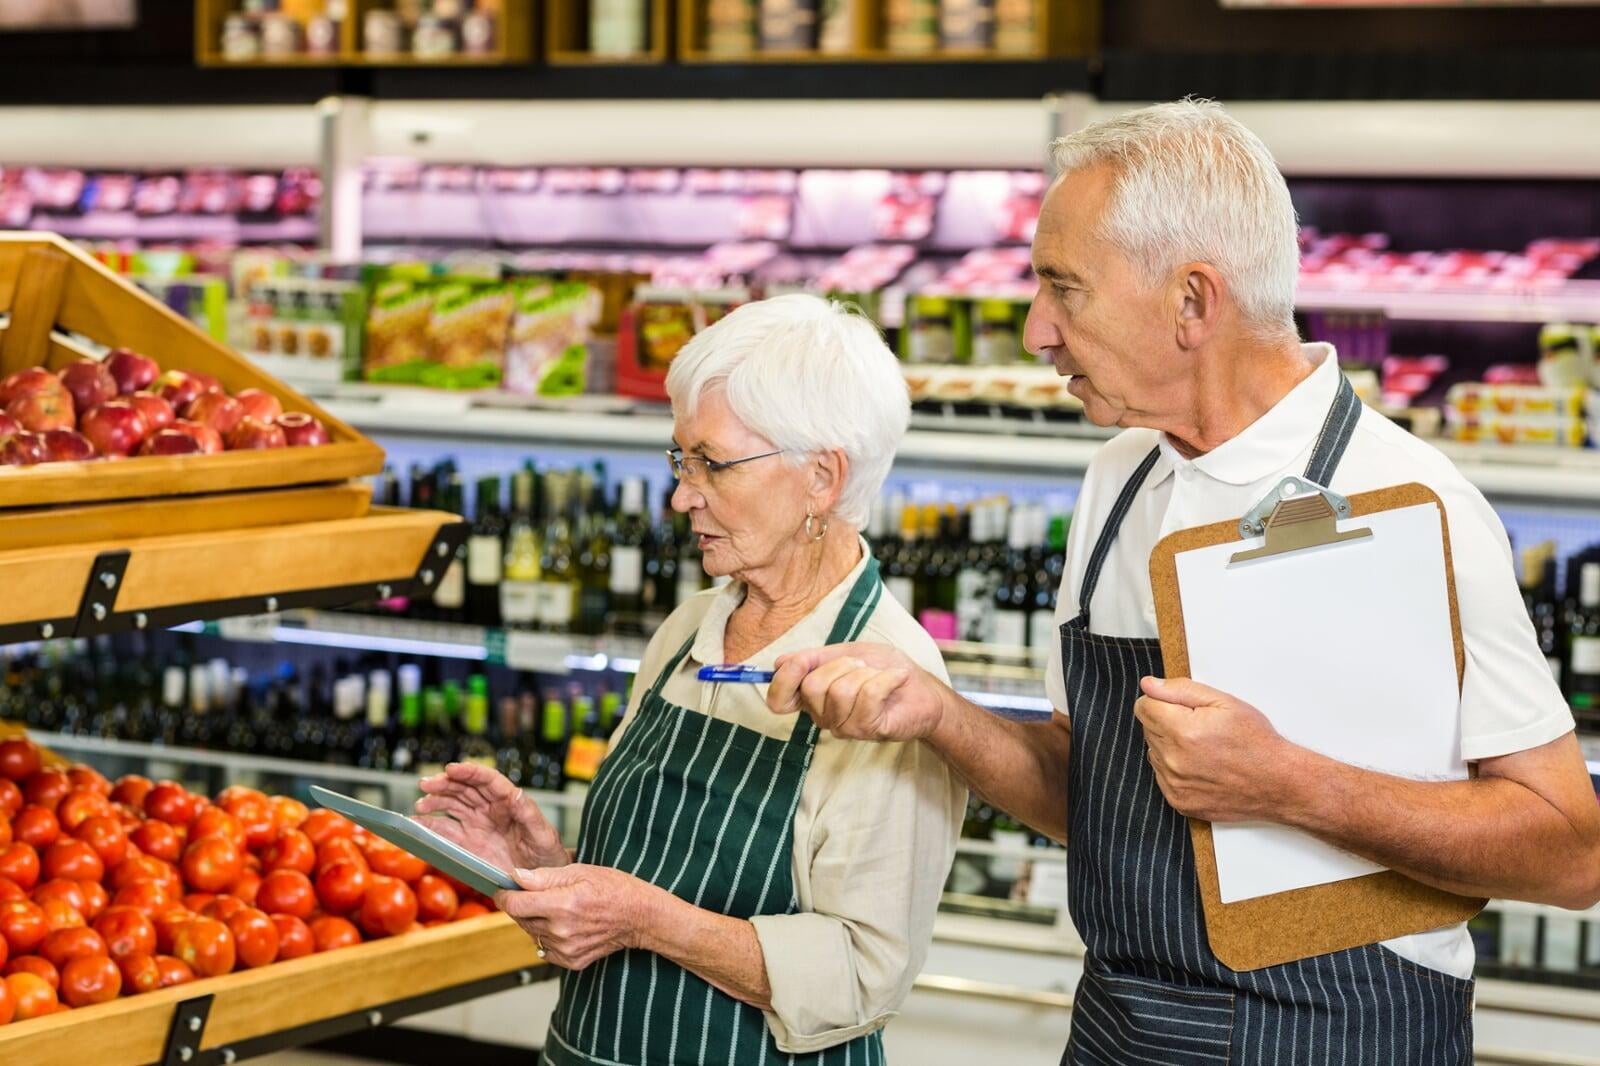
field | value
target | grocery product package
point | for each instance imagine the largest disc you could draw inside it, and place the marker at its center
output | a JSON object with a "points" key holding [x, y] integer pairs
{"points": [[397, 330], [467, 335], [548, 351]]}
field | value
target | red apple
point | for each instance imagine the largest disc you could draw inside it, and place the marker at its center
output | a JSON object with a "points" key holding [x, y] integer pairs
{"points": [[130, 370], [208, 382], [158, 413], [115, 428], [215, 409], [23, 449], [90, 384], [67, 446], [170, 442], [261, 406], [210, 440], [8, 425], [44, 410], [254, 433], [301, 430], [179, 387], [26, 383]]}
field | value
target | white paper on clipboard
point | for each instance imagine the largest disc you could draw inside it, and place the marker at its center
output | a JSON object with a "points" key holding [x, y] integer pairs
{"points": [[1347, 649]]}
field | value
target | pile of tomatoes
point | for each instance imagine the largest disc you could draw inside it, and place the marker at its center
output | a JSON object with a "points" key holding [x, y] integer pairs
{"points": [[109, 890]]}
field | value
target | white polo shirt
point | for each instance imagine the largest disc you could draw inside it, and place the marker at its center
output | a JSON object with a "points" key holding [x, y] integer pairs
{"points": [[1509, 701]]}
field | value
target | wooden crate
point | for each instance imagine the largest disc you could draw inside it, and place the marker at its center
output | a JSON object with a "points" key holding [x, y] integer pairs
{"points": [[49, 285]]}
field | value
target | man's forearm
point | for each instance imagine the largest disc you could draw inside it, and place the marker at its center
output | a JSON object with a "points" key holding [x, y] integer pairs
{"points": [[1486, 836], [1020, 767]]}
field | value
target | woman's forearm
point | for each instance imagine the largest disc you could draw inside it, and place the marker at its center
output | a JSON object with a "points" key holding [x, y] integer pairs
{"points": [[725, 952]]}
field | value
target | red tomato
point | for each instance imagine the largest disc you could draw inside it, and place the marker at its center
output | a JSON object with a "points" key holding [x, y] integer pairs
{"points": [[170, 802], [132, 790], [174, 971], [436, 898], [206, 945], [95, 899], [35, 965], [5, 831], [288, 812], [145, 868], [59, 914], [5, 951], [90, 980], [294, 937], [126, 931], [88, 777], [70, 891], [167, 924], [196, 901], [23, 925], [255, 815], [10, 797], [255, 936], [104, 833], [342, 886], [32, 995], [287, 892], [473, 909], [214, 821], [36, 826], [10, 890], [340, 849], [148, 897], [140, 973], [158, 839], [79, 806], [224, 907], [390, 861], [292, 850], [329, 932], [212, 863], [8, 1006], [246, 887], [74, 859], [64, 945], [322, 825], [20, 863], [19, 759], [47, 788], [233, 792], [388, 907]]}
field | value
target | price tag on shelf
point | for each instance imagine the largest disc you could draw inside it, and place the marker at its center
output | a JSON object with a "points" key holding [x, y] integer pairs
{"points": [[540, 652], [260, 628]]}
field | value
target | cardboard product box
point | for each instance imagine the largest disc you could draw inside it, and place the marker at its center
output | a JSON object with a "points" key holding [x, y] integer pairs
{"points": [[467, 334], [397, 330], [548, 350]]}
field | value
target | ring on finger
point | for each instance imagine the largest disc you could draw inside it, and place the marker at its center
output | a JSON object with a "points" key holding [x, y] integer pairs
{"points": [[539, 946]]}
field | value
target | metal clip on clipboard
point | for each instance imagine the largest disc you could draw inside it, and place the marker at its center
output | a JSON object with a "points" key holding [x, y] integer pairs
{"points": [[1295, 515]]}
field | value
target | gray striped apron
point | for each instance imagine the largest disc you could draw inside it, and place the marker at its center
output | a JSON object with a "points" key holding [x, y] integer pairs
{"points": [[1152, 992], [705, 809]]}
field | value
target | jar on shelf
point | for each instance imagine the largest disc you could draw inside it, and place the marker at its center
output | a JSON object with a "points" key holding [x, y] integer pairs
{"points": [[382, 33], [280, 36], [435, 38], [994, 338], [931, 337], [240, 40], [478, 33], [322, 36]]}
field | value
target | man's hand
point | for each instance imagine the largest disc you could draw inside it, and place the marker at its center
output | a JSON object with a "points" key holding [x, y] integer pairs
{"points": [[579, 914], [1216, 757], [859, 691]]}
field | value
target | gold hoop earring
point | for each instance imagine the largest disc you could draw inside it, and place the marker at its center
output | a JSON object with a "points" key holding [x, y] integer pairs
{"points": [[817, 534]]}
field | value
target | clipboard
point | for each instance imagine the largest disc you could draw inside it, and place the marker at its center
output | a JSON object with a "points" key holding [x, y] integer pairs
{"points": [[1299, 923], [419, 840]]}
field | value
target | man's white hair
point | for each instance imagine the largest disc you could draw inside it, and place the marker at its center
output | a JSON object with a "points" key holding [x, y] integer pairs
{"points": [[1193, 184], [809, 375]]}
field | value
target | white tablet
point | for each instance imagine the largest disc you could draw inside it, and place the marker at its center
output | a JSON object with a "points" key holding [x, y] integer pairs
{"points": [[419, 840]]}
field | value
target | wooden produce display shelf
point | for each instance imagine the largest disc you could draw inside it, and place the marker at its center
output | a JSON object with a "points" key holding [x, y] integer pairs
{"points": [[286, 1004], [54, 291], [98, 586]]}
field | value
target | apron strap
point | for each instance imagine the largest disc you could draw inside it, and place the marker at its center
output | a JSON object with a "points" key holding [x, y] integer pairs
{"points": [[1337, 429], [1108, 533]]}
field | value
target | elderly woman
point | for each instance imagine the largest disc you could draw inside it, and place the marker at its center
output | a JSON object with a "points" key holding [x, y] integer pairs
{"points": [[745, 885]]}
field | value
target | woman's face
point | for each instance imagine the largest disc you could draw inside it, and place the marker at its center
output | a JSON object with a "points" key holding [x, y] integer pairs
{"points": [[746, 517]]}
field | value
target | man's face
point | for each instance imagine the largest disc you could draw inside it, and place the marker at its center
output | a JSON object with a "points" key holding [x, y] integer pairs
{"points": [[1094, 316]]}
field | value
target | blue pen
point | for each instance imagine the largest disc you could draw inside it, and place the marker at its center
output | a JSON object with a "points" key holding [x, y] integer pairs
{"points": [[730, 672]]}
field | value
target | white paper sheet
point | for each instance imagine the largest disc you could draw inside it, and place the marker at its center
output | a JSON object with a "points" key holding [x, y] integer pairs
{"points": [[1347, 650]]}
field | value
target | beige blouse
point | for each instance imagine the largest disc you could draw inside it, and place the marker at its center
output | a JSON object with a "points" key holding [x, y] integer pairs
{"points": [[874, 833]]}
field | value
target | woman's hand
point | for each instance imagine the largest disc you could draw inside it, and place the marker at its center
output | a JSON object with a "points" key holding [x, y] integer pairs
{"points": [[579, 914], [481, 810]]}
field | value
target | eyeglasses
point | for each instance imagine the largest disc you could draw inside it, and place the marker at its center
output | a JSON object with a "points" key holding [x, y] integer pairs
{"points": [[694, 469]]}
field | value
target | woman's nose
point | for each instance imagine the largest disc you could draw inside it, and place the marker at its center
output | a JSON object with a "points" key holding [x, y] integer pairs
{"points": [[686, 498]]}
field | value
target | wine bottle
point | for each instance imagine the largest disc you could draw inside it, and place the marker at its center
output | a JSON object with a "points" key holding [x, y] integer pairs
{"points": [[376, 750], [594, 564], [630, 542], [407, 747], [558, 600], [475, 744], [1584, 627], [523, 574], [485, 556], [1011, 607], [508, 755], [554, 733], [900, 577], [450, 597]]}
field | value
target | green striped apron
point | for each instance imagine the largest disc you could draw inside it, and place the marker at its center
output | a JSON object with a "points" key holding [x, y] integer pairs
{"points": [[705, 809]]}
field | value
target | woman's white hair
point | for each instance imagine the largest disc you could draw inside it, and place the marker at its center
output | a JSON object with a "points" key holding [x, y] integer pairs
{"points": [[1193, 184], [809, 375]]}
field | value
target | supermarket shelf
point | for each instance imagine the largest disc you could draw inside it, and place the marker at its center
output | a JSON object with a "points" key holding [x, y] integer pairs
{"points": [[1574, 301], [1560, 477]]}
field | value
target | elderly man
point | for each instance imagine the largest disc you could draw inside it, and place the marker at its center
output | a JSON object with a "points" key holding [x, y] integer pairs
{"points": [[1167, 257]]}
